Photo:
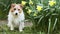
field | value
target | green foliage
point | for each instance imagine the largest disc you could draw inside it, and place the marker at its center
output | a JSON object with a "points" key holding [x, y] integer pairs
{"points": [[46, 20]]}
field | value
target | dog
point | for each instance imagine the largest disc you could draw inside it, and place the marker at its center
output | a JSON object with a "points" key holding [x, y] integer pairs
{"points": [[16, 17]]}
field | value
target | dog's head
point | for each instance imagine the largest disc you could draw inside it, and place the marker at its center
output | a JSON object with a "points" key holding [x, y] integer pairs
{"points": [[16, 9]]}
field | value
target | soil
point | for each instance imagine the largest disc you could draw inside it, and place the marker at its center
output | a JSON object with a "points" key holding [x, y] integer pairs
{"points": [[27, 24]]}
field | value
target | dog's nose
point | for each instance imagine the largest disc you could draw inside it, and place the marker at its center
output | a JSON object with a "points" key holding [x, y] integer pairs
{"points": [[16, 13]]}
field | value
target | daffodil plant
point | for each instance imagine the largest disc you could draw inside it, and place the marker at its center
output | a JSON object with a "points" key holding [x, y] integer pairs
{"points": [[52, 3], [39, 8], [23, 3], [40, 13]]}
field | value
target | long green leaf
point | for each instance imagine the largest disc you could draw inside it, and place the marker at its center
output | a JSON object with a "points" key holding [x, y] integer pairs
{"points": [[49, 26], [40, 19], [55, 23]]}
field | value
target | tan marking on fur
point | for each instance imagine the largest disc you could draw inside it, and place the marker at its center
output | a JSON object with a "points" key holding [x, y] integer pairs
{"points": [[13, 5]]}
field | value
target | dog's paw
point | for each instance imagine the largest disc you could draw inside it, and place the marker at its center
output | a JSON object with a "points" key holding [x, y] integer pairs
{"points": [[20, 30], [11, 29]]}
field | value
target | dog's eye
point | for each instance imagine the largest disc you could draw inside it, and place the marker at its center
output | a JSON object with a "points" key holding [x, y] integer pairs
{"points": [[14, 8], [18, 9]]}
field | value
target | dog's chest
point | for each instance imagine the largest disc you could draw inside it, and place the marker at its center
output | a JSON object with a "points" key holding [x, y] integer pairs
{"points": [[16, 21]]}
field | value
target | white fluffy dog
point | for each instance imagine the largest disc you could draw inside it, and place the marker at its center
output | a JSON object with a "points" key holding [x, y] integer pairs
{"points": [[16, 17]]}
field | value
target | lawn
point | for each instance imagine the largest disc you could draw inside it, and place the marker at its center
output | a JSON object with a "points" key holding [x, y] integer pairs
{"points": [[5, 30], [27, 30]]}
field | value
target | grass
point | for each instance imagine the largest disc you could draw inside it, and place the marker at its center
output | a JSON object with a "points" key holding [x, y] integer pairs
{"points": [[27, 30], [5, 30]]}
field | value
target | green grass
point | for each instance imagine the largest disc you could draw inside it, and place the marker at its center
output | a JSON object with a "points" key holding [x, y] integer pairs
{"points": [[27, 30], [5, 30]]}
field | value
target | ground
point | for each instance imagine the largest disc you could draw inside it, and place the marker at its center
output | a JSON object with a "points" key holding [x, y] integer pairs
{"points": [[27, 24]]}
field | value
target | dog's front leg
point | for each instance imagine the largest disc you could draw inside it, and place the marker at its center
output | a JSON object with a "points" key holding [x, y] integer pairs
{"points": [[10, 25], [21, 26]]}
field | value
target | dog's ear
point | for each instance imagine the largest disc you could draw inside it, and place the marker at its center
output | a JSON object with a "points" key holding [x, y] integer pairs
{"points": [[21, 6], [12, 5]]}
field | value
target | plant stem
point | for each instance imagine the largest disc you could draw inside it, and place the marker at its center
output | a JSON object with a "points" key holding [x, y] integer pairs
{"points": [[55, 23], [49, 26]]}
